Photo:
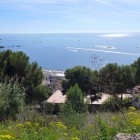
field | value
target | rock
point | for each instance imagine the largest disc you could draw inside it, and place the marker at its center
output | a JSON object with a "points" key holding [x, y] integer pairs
{"points": [[124, 136]]}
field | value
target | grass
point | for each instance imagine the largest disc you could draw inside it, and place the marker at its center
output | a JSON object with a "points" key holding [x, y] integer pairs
{"points": [[99, 126]]}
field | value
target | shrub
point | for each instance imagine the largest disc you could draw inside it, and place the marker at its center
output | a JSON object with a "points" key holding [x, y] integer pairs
{"points": [[51, 108], [11, 99], [115, 103], [75, 99]]}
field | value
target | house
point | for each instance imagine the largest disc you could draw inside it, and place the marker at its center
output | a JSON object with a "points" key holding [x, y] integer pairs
{"points": [[57, 98], [136, 96], [97, 102], [53, 78], [53, 75]]}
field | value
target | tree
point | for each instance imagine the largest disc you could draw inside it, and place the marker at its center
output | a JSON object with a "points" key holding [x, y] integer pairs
{"points": [[16, 66], [126, 75], [84, 77], [75, 99], [72, 112], [116, 79], [136, 70]]}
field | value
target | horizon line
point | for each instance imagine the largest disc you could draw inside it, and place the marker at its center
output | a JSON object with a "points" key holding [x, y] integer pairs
{"points": [[110, 32]]}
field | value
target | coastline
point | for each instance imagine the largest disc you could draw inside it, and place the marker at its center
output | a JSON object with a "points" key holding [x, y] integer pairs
{"points": [[57, 73]]}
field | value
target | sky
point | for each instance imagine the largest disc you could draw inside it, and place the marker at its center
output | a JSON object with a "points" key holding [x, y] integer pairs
{"points": [[69, 16]]}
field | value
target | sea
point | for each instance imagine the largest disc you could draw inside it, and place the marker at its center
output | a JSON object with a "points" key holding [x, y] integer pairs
{"points": [[60, 51]]}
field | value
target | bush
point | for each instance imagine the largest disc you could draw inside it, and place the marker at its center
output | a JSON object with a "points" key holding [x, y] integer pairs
{"points": [[38, 94], [115, 103], [11, 99], [75, 100], [51, 108]]}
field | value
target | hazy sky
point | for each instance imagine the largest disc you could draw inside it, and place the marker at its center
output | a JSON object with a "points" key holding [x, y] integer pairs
{"points": [[43, 16]]}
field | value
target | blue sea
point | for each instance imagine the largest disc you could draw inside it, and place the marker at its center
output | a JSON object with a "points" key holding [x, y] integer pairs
{"points": [[61, 51]]}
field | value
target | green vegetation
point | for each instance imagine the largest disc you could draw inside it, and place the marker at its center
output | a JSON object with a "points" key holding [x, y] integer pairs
{"points": [[75, 99], [21, 91], [83, 76], [112, 79], [15, 66], [114, 104], [136, 70], [86, 79], [116, 79], [100, 126], [11, 99]]}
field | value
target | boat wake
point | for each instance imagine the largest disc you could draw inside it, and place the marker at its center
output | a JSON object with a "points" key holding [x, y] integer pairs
{"points": [[73, 50], [104, 51], [117, 35], [105, 47]]}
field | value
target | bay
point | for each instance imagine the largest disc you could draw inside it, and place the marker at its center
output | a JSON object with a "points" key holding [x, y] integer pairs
{"points": [[60, 51]]}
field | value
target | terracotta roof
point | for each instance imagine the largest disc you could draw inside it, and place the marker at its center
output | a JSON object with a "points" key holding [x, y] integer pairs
{"points": [[57, 97]]}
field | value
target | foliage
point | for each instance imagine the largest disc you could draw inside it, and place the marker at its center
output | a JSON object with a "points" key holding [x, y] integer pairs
{"points": [[112, 79], [13, 63], [115, 104], [72, 118], [52, 108], [136, 68], [73, 110], [103, 130], [116, 79], [83, 76], [38, 94], [16, 66], [101, 125], [75, 100], [11, 99]]}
